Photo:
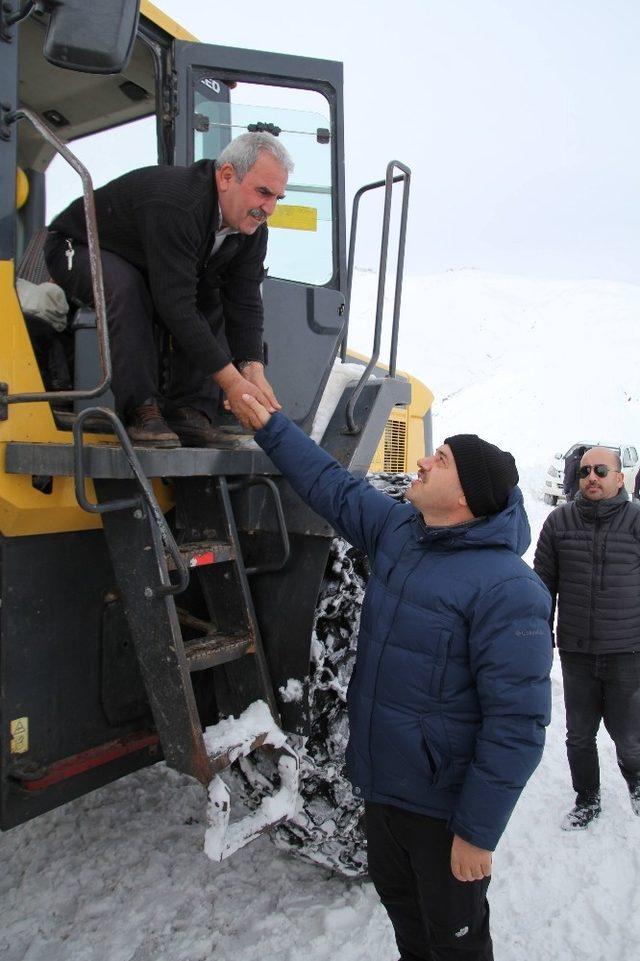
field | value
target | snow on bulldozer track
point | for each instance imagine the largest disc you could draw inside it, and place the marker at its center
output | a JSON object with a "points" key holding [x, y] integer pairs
{"points": [[120, 875]]}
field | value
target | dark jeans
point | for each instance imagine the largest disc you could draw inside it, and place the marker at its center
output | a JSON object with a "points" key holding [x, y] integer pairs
{"points": [[601, 687], [133, 332], [435, 917]]}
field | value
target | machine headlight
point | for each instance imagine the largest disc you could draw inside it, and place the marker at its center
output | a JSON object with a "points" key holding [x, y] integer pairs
{"points": [[553, 472]]}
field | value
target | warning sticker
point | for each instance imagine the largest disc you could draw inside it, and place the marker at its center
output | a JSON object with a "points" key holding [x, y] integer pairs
{"points": [[20, 735], [294, 217]]}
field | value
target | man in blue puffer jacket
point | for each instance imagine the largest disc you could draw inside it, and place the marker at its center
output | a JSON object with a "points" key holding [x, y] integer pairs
{"points": [[450, 694]]}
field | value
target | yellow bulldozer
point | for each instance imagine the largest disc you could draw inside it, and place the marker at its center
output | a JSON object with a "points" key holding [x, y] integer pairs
{"points": [[150, 596]]}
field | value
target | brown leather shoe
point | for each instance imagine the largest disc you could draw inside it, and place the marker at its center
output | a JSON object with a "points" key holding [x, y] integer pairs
{"points": [[148, 428], [192, 427]]}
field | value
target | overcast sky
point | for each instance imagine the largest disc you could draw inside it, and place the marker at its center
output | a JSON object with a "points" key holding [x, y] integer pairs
{"points": [[517, 117]]}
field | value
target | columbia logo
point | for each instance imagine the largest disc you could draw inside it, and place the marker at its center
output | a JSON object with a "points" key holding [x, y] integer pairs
{"points": [[461, 933]]}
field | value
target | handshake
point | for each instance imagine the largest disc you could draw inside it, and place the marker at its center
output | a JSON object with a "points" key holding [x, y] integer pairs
{"points": [[248, 394]]}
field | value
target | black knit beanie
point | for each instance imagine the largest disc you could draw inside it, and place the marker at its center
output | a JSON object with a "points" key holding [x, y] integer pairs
{"points": [[487, 474]]}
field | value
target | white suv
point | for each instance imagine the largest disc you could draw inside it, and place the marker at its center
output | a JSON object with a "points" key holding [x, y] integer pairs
{"points": [[553, 491]]}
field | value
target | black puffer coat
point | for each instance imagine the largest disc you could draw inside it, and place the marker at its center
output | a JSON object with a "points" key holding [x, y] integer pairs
{"points": [[588, 555]]}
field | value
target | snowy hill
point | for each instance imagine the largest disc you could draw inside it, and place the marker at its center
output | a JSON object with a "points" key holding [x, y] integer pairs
{"points": [[532, 363], [120, 875]]}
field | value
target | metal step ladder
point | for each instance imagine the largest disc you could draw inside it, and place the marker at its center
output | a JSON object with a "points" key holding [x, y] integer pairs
{"points": [[171, 643]]}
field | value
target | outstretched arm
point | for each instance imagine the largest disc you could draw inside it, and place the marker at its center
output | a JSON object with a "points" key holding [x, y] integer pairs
{"points": [[355, 509]]}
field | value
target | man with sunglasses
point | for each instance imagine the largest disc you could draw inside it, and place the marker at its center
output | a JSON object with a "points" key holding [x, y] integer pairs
{"points": [[588, 555]]}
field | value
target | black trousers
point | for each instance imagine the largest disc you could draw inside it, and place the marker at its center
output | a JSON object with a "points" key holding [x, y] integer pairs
{"points": [[435, 917], [601, 687], [133, 332]]}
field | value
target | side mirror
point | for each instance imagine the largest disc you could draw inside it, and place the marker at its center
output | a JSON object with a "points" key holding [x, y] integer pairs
{"points": [[559, 456], [95, 40]]}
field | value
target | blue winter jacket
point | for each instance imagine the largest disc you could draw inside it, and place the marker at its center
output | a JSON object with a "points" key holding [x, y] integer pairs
{"points": [[450, 694]]}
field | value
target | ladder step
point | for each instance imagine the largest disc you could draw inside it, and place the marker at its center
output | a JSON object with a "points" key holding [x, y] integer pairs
{"points": [[224, 756], [204, 553], [232, 738], [215, 649]]}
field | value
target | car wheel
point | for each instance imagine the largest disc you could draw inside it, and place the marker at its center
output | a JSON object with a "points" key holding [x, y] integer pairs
{"points": [[550, 499]]}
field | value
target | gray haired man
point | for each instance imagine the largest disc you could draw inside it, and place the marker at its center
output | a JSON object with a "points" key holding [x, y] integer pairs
{"points": [[183, 252]]}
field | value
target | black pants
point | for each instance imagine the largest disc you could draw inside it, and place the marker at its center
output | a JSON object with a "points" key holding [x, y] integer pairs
{"points": [[132, 332], [435, 917], [601, 687]]}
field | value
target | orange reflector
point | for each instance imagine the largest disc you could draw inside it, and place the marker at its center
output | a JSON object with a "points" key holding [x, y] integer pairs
{"points": [[201, 560]]}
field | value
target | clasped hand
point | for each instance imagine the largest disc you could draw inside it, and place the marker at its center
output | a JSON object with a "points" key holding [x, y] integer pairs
{"points": [[251, 383]]}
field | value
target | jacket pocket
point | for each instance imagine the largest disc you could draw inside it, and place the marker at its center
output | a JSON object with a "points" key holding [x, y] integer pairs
{"points": [[446, 771], [439, 666]]}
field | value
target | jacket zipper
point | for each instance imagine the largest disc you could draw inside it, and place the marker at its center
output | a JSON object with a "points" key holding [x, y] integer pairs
{"points": [[594, 581], [603, 553]]}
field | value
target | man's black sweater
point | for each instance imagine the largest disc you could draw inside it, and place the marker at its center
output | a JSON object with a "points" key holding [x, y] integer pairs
{"points": [[163, 221]]}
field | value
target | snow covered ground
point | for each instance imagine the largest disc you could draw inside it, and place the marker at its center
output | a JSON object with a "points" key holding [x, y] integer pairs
{"points": [[121, 875]]}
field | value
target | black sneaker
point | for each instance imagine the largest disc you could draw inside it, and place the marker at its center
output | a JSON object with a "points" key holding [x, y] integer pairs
{"points": [[148, 428], [587, 809], [192, 427], [634, 797]]}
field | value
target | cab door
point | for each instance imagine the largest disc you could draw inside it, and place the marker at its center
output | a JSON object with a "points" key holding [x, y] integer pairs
{"points": [[223, 92]]}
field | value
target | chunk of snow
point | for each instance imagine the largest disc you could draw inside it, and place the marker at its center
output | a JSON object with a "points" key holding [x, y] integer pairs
{"points": [[292, 691], [341, 377]]}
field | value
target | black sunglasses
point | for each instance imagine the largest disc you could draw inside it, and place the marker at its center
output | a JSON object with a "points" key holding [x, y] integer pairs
{"points": [[600, 470]]}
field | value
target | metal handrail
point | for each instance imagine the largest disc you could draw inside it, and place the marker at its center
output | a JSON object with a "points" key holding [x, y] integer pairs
{"points": [[387, 183], [146, 495], [282, 524], [95, 266]]}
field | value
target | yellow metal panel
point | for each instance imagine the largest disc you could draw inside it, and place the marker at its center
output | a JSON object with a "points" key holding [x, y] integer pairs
{"points": [[22, 188], [164, 22], [391, 452], [20, 735], [421, 401], [395, 445], [292, 217], [377, 464], [23, 509]]}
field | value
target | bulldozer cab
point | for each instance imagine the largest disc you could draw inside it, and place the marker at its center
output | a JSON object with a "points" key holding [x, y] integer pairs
{"points": [[150, 594]]}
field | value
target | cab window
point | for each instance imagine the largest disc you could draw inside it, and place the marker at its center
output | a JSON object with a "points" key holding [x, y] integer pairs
{"points": [[107, 155], [300, 231]]}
